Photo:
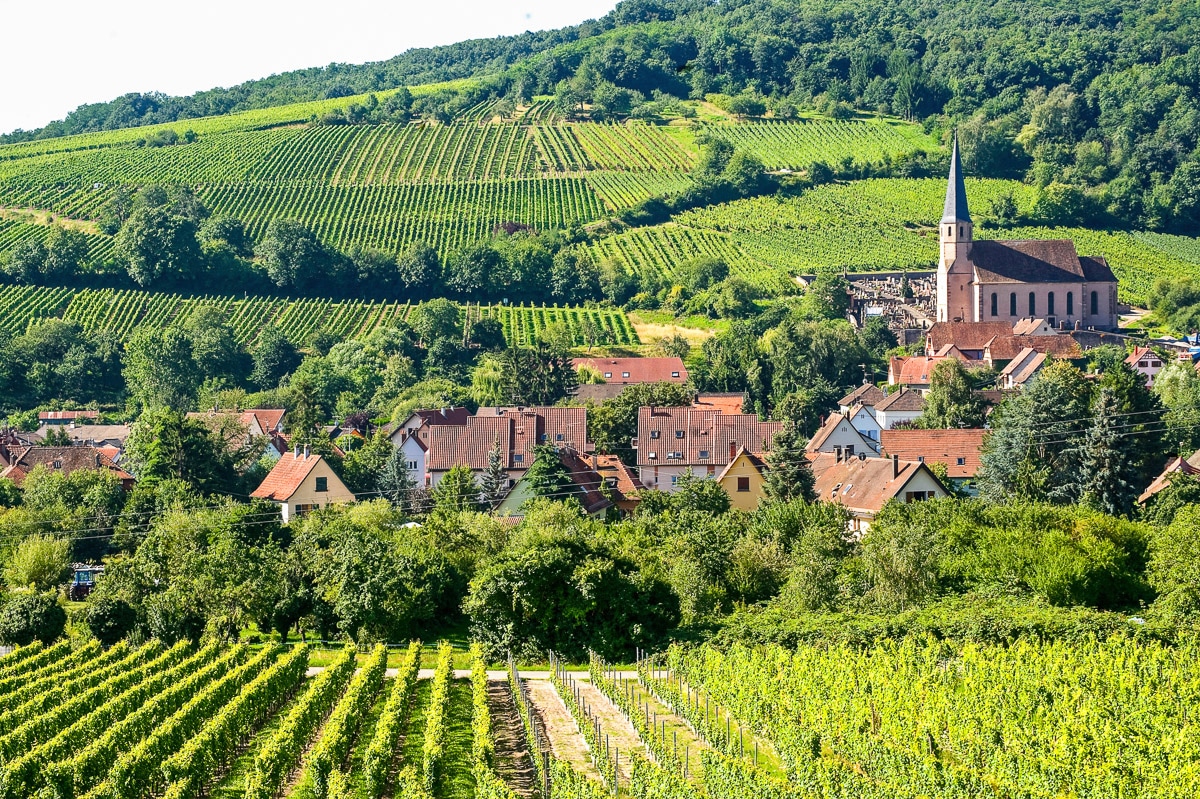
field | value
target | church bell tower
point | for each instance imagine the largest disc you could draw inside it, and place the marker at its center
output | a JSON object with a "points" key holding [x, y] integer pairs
{"points": [[955, 297]]}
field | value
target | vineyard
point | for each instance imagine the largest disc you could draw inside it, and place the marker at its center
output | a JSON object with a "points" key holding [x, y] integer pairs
{"points": [[907, 719], [890, 224], [796, 145], [387, 186], [123, 312]]}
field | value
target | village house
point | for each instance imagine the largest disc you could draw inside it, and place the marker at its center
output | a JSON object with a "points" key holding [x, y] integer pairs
{"points": [[900, 407], [744, 480], [839, 433], [1178, 468], [1145, 361], [1020, 370], [994, 281], [957, 450], [19, 462], [301, 482], [516, 431], [255, 427], [864, 485], [673, 441], [626, 371], [602, 485], [66, 417], [412, 437], [868, 395], [915, 372]]}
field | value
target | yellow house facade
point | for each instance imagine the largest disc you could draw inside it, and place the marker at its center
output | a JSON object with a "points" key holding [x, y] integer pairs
{"points": [[302, 482], [743, 479]]}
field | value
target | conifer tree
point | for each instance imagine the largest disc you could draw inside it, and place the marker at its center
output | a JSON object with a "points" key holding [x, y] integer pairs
{"points": [[494, 484], [790, 475], [1109, 472]]}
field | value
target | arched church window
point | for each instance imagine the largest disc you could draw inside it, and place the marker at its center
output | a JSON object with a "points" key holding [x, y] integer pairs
{"points": [[1032, 303], [995, 304], [1095, 304], [1070, 303], [1012, 304], [1050, 304]]}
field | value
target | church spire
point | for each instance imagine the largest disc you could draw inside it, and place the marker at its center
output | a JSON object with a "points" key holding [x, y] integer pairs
{"points": [[956, 191]]}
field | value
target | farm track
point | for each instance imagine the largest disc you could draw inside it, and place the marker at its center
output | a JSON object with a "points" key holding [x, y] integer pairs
{"points": [[566, 741], [621, 733], [514, 764]]}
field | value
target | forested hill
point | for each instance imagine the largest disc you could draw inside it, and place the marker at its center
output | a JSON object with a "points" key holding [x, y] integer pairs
{"points": [[919, 57]]}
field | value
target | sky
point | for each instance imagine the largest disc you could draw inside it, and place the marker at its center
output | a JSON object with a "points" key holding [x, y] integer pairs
{"points": [[57, 56]]}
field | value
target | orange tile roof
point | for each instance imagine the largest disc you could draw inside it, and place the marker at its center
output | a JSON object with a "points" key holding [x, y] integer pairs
{"points": [[862, 485], [639, 370], [936, 446], [1005, 348], [964, 335], [731, 403], [23, 460], [285, 479], [701, 436]]}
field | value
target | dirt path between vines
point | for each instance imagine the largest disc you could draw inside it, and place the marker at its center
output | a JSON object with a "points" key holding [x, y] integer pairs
{"points": [[514, 764], [566, 741], [620, 732]]}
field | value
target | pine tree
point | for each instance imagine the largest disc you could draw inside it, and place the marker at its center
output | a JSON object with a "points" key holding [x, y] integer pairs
{"points": [[1109, 469], [790, 475], [395, 484], [494, 484]]}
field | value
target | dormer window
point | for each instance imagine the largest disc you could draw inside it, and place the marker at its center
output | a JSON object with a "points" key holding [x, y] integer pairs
{"points": [[679, 434], [558, 436], [624, 374], [703, 453], [608, 374], [518, 458], [655, 434], [674, 374]]}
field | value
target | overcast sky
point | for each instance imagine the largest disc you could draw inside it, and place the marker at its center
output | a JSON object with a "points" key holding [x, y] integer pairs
{"points": [[57, 56]]}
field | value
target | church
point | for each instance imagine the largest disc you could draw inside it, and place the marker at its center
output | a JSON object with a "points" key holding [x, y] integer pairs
{"points": [[1005, 281]]}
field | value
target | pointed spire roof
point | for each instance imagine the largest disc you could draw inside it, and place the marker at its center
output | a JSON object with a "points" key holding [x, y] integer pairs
{"points": [[956, 190]]}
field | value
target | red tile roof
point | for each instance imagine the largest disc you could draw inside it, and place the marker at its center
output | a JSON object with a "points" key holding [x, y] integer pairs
{"points": [[23, 460], [519, 430], [914, 371], [636, 370], [54, 416], [730, 403], [862, 485], [1189, 466], [867, 395], [903, 400], [286, 477], [964, 335], [1005, 348], [936, 446], [624, 484], [700, 436]]}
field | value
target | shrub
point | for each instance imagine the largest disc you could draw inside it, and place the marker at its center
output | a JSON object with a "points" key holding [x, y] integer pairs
{"points": [[32, 617]]}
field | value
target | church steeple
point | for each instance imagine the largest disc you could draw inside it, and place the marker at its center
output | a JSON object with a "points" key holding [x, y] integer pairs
{"points": [[955, 300], [956, 191]]}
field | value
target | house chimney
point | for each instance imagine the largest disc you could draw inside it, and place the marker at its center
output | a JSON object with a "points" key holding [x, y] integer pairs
{"points": [[306, 451], [895, 466], [732, 450], [296, 451], [837, 454]]}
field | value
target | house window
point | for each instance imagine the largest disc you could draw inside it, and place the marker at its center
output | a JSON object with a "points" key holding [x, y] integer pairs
{"points": [[1070, 303], [679, 434], [1050, 304], [1095, 304], [995, 304], [743, 484], [624, 374], [322, 484], [305, 509], [917, 496], [674, 374], [1032, 304], [412, 466], [1012, 304], [545, 437], [57, 464], [674, 479], [558, 436], [960, 231], [961, 461], [849, 449], [608, 374], [655, 433], [518, 458], [703, 453]]}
